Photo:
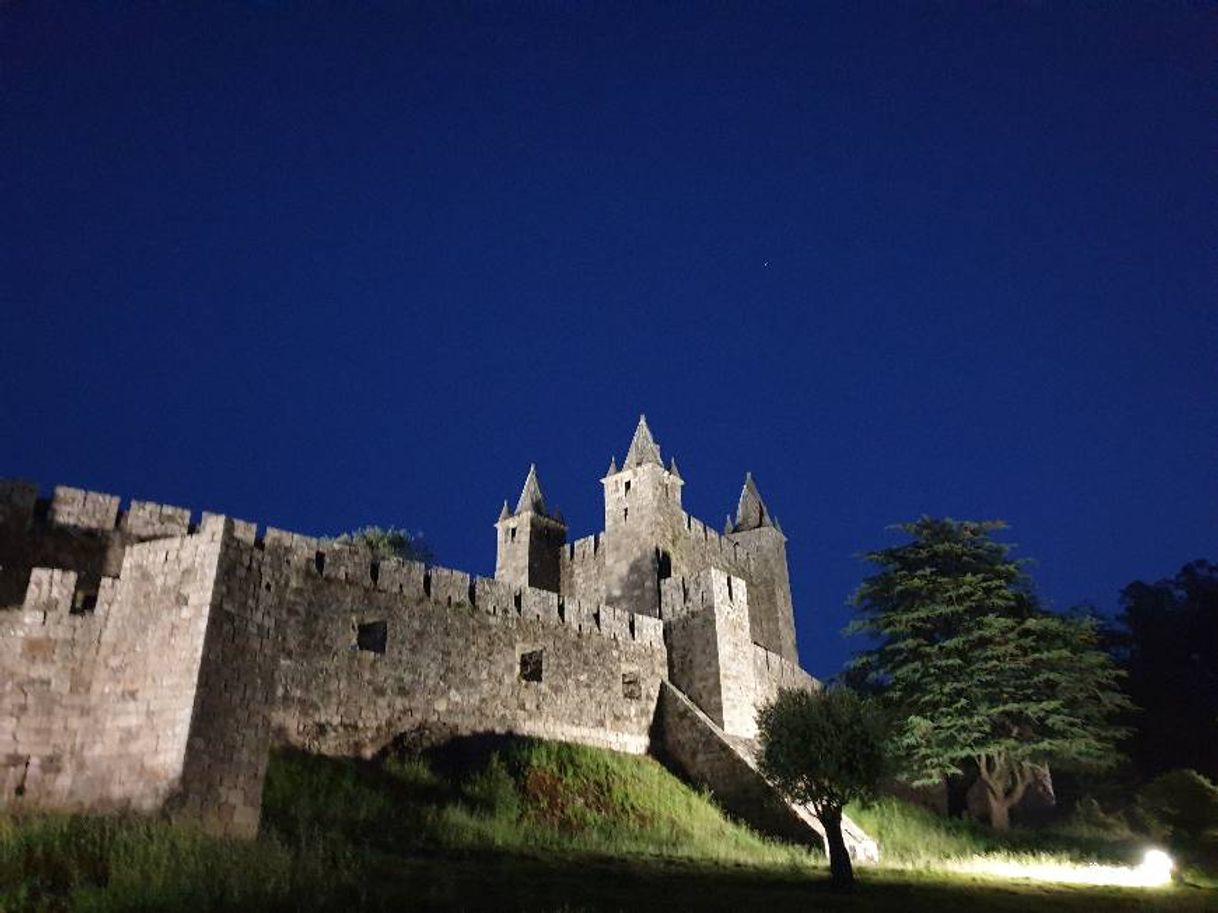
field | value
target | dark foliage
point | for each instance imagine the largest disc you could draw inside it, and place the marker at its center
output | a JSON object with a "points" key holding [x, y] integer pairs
{"points": [[1168, 645], [389, 542]]}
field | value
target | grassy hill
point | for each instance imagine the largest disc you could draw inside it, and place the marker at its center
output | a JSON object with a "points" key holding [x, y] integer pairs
{"points": [[494, 824]]}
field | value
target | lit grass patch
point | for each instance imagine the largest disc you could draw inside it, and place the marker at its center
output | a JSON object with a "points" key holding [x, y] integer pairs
{"points": [[519, 795]]}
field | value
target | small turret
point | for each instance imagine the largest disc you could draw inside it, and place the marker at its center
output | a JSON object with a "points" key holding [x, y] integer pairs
{"points": [[771, 613], [643, 448], [530, 540], [530, 495], [751, 512]]}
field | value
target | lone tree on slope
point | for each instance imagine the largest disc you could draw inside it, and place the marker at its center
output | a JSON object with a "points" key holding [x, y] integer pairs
{"points": [[824, 750], [977, 671]]}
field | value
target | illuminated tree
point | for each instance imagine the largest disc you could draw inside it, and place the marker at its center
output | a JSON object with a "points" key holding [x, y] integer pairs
{"points": [[824, 750], [978, 673]]}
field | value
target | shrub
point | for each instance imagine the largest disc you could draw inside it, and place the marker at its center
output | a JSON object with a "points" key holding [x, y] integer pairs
{"points": [[1181, 804]]}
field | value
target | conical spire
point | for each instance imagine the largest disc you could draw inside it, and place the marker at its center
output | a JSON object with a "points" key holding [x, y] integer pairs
{"points": [[672, 467], [643, 448], [751, 512], [530, 495], [612, 466], [505, 512]]}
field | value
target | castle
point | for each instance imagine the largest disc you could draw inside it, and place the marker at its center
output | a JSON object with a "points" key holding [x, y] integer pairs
{"points": [[150, 661]]}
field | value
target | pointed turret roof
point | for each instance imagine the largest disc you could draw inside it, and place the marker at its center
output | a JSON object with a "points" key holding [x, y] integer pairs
{"points": [[504, 512], [612, 466], [751, 512], [530, 495], [643, 448], [672, 468]]}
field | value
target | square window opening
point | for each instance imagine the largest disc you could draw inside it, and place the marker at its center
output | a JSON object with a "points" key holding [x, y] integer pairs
{"points": [[372, 637], [632, 686], [531, 666]]}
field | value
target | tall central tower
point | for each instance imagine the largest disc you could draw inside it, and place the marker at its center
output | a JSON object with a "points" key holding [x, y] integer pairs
{"points": [[642, 507]]}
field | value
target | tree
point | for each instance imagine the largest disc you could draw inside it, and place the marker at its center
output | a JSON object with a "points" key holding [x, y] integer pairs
{"points": [[979, 673], [824, 750], [389, 542], [1169, 647]]}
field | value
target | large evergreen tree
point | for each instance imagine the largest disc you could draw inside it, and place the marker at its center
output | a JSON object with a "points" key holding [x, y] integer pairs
{"points": [[981, 676]]}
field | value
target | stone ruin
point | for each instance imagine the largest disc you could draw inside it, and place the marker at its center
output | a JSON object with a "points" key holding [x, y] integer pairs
{"points": [[149, 660]]}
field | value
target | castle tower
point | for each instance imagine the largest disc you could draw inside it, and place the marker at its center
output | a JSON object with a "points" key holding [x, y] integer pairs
{"points": [[642, 507], [530, 540], [771, 613]]}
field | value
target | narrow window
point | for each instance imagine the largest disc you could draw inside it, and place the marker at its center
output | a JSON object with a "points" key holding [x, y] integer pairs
{"points": [[632, 686], [530, 666], [319, 561], [664, 565], [627, 487], [372, 637], [625, 514], [513, 533], [83, 603]]}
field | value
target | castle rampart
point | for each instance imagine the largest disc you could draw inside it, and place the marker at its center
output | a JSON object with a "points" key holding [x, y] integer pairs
{"points": [[167, 686], [149, 660]]}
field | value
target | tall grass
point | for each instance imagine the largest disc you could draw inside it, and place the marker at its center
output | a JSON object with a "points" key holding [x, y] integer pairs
{"points": [[912, 836], [62, 862]]}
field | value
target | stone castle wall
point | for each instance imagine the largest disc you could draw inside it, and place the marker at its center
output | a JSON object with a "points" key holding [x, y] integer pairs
{"points": [[706, 618], [583, 570], [149, 659], [363, 658], [97, 697], [191, 654]]}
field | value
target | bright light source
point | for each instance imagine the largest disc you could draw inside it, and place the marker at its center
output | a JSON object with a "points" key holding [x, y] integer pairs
{"points": [[1157, 865], [1154, 871]]}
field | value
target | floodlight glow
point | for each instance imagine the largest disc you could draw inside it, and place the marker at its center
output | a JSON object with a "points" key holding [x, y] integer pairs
{"points": [[1154, 871]]}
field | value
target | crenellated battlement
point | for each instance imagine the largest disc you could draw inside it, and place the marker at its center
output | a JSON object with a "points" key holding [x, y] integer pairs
{"points": [[709, 540], [585, 549], [318, 559], [80, 509]]}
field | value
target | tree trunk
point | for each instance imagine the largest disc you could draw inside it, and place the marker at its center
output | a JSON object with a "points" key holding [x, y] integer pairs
{"points": [[1005, 785], [1000, 812], [841, 871]]}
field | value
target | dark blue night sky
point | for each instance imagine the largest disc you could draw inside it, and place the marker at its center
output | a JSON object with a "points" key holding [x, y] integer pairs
{"points": [[322, 267]]}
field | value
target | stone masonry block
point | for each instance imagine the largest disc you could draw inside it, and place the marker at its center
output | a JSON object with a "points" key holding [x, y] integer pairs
{"points": [[83, 509], [148, 520]]}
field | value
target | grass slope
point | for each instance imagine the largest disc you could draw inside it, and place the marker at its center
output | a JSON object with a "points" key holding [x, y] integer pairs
{"points": [[494, 825], [481, 795]]}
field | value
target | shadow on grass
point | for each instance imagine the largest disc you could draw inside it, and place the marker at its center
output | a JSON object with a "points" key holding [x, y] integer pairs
{"points": [[511, 882]]}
